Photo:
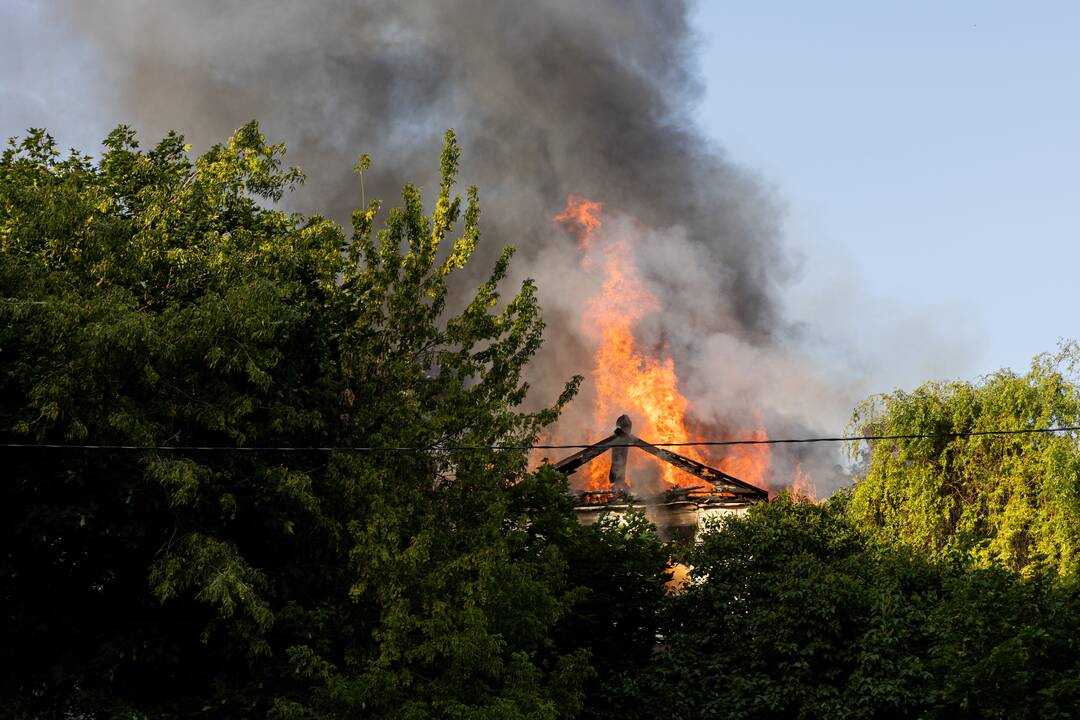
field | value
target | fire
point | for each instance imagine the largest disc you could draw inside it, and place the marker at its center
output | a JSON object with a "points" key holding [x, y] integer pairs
{"points": [[626, 377], [679, 578], [802, 486], [583, 217], [748, 462]]}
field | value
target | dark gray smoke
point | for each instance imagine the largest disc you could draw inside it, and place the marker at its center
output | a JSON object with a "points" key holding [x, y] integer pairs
{"points": [[549, 98]]}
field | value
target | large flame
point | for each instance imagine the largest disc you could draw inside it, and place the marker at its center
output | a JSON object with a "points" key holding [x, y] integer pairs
{"points": [[629, 379], [802, 486]]}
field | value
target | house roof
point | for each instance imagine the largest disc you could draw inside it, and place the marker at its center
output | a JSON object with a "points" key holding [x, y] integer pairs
{"points": [[716, 482]]}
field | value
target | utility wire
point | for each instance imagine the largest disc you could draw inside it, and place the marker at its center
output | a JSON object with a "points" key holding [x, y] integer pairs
{"points": [[567, 446]]}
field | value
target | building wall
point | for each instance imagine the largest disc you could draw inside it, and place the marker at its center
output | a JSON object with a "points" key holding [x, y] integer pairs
{"points": [[683, 519]]}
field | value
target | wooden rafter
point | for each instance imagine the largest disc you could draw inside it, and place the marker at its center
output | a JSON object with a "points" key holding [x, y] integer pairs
{"points": [[623, 439]]}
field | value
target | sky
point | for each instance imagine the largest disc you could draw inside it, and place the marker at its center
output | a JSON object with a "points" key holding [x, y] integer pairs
{"points": [[925, 155]]}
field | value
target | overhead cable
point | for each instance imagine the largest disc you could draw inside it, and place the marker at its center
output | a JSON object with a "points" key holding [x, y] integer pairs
{"points": [[511, 447]]}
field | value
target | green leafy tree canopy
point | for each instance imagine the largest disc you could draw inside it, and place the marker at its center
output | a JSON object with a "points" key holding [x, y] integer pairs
{"points": [[1013, 499], [152, 299]]}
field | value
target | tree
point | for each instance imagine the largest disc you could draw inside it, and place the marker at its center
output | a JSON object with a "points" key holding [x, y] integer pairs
{"points": [[150, 300], [797, 612], [778, 622], [621, 566], [1013, 499]]}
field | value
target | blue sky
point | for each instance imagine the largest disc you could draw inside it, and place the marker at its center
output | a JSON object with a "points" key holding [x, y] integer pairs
{"points": [[926, 156], [928, 150]]}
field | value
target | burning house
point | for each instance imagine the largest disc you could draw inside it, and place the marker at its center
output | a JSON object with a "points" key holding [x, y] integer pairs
{"points": [[669, 290], [677, 511], [676, 490]]}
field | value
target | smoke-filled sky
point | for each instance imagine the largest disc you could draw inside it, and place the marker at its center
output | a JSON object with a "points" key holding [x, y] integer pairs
{"points": [[828, 199]]}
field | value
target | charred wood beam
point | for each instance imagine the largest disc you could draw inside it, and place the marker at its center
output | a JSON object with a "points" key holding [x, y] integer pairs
{"points": [[571, 463], [617, 475], [604, 497], [715, 477], [680, 494], [620, 443]]}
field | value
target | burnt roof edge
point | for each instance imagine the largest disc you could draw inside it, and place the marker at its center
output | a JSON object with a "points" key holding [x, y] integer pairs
{"points": [[717, 478]]}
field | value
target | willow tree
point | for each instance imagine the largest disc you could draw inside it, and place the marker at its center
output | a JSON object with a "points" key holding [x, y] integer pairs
{"points": [[1005, 498], [150, 299]]}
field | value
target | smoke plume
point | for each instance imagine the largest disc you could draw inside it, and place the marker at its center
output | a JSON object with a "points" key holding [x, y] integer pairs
{"points": [[549, 98]]}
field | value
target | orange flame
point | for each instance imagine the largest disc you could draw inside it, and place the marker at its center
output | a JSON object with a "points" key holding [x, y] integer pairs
{"points": [[748, 462], [802, 486], [582, 216], [626, 378]]}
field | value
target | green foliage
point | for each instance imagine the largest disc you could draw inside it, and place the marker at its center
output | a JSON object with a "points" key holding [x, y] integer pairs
{"points": [[152, 299], [149, 299], [1013, 499], [621, 566], [798, 613]]}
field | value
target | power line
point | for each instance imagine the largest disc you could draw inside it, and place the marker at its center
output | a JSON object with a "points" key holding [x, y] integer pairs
{"points": [[496, 448]]}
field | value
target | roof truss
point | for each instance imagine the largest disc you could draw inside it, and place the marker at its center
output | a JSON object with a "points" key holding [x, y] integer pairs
{"points": [[622, 440]]}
